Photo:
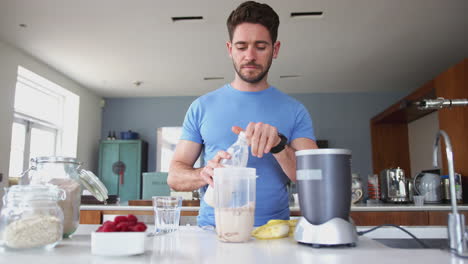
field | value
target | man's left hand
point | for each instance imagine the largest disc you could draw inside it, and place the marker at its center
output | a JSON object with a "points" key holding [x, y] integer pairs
{"points": [[261, 137]]}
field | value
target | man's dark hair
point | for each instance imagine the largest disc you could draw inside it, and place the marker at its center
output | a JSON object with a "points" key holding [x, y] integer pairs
{"points": [[253, 12]]}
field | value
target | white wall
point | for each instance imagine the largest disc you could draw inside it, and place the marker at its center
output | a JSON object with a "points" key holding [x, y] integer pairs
{"points": [[421, 135], [89, 127]]}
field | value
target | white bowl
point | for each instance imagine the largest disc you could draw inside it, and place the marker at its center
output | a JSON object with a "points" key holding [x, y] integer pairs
{"points": [[117, 243]]}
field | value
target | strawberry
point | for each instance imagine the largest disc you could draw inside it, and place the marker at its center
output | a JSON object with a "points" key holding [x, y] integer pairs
{"points": [[132, 218], [108, 228], [123, 226], [108, 223], [140, 223], [140, 227], [120, 218]]}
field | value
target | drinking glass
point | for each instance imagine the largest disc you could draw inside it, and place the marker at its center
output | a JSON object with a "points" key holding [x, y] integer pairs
{"points": [[166, 213], [418, 200]]}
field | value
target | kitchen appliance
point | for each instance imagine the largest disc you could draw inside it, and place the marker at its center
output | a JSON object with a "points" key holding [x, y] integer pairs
{"points": [[324, 188], [428, 185], [234, 202], [394, 186]]}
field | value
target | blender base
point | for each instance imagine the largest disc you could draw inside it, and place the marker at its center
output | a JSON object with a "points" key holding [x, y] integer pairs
{"points": [[335, 232]]}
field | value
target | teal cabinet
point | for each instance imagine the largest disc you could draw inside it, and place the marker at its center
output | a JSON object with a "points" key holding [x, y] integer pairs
{"points": [[121, 165]]}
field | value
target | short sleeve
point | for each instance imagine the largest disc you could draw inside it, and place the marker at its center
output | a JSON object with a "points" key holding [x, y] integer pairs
{"points": [[191, 125], [303, 127]]}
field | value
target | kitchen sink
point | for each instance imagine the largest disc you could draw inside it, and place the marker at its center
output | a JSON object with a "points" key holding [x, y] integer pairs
{"points": [[409, 243], [435, 237]]}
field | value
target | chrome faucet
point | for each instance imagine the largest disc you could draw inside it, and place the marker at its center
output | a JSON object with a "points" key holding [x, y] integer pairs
{"points": [[456, 221]]}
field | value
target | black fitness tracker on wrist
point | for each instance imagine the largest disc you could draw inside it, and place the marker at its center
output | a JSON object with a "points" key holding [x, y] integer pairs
{"points": [[278, 148]]}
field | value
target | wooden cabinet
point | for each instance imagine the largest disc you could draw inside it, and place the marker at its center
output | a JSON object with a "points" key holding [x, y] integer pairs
{"points": [[121, 164], [441, 217], [360, 218], [406, 218], [389, 129], [95, 217], [90, 217]]}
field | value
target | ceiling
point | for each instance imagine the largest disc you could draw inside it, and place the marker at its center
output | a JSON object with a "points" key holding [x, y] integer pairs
{"points": [[355, 46]]}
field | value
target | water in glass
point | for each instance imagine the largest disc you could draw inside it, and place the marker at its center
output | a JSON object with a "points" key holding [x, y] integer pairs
{"points": [[166, 213]]}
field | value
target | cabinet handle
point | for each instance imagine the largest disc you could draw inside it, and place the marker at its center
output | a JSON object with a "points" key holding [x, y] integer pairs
{"points": [[119, 169]]}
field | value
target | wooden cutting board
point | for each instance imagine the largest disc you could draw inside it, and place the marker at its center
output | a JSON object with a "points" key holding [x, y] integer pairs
{"points": [[150, 203]]}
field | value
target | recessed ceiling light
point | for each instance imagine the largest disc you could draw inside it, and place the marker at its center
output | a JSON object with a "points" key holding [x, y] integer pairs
{"points": [[182, 18], [289, 76], [307, 14], [213, 78], [23, 25]]}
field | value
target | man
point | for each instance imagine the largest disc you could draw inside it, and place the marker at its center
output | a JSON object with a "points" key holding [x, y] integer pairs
{"points": [[270, 119]]}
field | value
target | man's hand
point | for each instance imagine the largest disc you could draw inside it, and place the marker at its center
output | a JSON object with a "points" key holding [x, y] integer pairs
{"points": [[207, 172], [261, 137]]}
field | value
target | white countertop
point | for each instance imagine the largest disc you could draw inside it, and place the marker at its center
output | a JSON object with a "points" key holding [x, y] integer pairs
{"points": [[355, 208], [194, 245]]}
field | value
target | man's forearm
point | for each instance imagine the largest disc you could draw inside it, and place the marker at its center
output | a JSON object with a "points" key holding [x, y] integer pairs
{"points": [[184, 178], [287, 161]]}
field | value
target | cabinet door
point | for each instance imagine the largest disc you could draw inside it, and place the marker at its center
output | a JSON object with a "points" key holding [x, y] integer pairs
{"points": [[441, 217], [109, 154], [130, 155], [410, 218]]}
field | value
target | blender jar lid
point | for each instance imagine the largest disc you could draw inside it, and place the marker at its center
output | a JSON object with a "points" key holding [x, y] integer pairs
{"points": [[55, 159], [92, 183], [323, 151]]}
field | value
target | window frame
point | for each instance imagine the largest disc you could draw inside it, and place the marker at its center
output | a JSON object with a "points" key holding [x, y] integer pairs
{"points": [[30, 123], [64, 135]]}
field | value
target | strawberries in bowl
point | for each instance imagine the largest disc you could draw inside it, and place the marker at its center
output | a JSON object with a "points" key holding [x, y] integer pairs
{"points": [[122, 237], [123, 223]]}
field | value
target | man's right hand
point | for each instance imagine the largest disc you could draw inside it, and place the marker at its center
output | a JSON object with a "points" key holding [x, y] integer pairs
{"points": [[207, 172]]}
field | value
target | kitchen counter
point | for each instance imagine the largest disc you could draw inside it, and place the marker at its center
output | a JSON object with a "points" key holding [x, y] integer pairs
{"points": [[194, 245]]}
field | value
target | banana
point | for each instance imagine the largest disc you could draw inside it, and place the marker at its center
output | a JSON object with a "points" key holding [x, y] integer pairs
{"points": [[275, 228], [271, 231], [292, 222]]}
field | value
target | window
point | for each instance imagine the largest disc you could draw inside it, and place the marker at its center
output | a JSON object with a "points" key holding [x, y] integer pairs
{"points": [[45, 121]]}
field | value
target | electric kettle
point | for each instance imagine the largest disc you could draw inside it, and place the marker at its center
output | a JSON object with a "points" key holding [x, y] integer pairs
{"points": [[428, 185]]}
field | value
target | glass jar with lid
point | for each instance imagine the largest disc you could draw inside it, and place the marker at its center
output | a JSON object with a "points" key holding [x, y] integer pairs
{"points": [[66, 173], [31, 217]]}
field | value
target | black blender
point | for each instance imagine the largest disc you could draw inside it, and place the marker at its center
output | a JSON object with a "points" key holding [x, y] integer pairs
{"points": [[324, 187]]}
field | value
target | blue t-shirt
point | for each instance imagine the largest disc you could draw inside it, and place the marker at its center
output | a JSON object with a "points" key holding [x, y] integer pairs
{"points": [[209, 120]]}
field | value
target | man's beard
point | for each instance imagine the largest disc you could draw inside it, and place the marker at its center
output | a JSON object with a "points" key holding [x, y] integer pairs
{"points": [[253, 79]]}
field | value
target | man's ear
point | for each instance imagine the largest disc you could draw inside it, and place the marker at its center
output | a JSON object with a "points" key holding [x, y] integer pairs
{"points": [[229, 48], [276, 48]]}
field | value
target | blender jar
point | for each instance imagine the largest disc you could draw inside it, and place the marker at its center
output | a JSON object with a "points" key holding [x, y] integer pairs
{"points": [[65, 173], [31, 217], [234, 193]]}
